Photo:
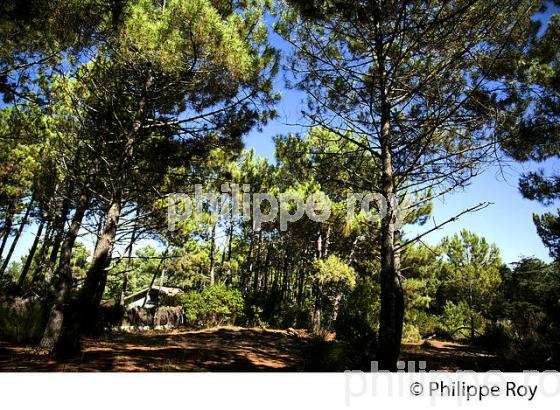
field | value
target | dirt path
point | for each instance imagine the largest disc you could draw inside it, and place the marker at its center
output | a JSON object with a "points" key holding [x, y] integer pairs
{"points": [[220, 349]]}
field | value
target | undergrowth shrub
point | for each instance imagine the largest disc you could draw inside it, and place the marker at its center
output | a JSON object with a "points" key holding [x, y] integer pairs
{"points": [[21, 320], [253, 316], [411, 333], [528, 338], [322, 355], [294, 315], [454, 322], [357, 323], [214, 306], [426, 324]]}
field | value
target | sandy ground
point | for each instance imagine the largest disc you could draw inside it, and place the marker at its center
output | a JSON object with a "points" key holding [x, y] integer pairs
{"points": [[218, 349]]}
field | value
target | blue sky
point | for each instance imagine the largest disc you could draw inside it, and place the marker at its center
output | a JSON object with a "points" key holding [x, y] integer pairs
{"points": [[507, 222]]}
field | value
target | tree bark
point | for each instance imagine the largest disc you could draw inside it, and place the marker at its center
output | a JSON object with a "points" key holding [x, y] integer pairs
{"points": [[247, 276], [22, 225], [96, 277], [266, 269], [8, 222], [128, 266], [31, 254], [53, 331], [258, 263], [336, 307], [212, 253], [58, 228], [392, 300], [40, 265], [317, 308]]}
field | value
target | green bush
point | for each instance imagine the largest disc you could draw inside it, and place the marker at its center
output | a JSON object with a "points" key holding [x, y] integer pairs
{"points": [[294, 315], [214, 306], [253, 316], [21, 320], [525, 339], [454, 322], [427, 324], [358, 321], [411, 333]]}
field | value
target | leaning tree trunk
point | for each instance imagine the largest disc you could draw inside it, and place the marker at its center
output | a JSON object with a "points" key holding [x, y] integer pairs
{"points": [[22, 225], [159, 271], [96, 277], [392, 300], [8, 221], [31, 254], [59, 222], [40, 264], [54, 238], [53, 330]]}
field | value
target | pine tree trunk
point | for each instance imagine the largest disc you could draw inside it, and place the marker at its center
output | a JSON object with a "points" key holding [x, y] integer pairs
{"points": [[58, 228], [8, 222], [247, 276], [353, 251], [212, 253], [124, 287], [266, 269], [54, 327], [31, 254], [40, 265], [22, 225], [317, 309], [336, 307], [96, 277], [258, 263], [392, 300]]}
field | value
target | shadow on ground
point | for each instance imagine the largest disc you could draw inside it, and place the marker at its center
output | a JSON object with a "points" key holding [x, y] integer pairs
{"points": [[449, 356], [228, 349], [221, 349]]}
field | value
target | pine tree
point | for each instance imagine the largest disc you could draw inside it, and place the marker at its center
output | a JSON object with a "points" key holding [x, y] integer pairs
{"points": [[412, 78]]}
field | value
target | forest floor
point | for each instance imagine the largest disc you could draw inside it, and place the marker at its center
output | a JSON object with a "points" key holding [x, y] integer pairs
{"points": [[218, 349]]}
